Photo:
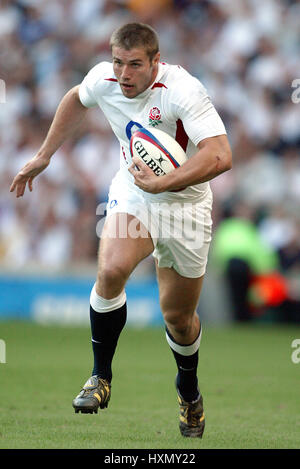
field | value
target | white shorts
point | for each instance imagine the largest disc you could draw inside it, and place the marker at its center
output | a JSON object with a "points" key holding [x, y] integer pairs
{"points": [[180, 229]]}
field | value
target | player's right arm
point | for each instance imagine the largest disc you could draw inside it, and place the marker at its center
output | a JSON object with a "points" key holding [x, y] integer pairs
{"points": [[67, 119]]}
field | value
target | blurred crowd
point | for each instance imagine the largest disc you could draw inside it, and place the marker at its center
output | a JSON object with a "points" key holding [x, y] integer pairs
{"points": [[245, 53]]}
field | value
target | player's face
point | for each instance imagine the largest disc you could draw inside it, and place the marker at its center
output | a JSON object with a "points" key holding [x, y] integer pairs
{"points": [[133, 70]]}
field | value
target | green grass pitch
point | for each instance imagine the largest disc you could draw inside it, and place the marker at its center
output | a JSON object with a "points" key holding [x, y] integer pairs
{"points": [[249, 383]]}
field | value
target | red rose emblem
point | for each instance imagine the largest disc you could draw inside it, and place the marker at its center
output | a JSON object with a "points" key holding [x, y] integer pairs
{"points": [[155, 114]]}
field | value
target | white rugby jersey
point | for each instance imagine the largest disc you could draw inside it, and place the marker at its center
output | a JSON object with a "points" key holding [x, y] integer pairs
{"points": [[176, 103]]}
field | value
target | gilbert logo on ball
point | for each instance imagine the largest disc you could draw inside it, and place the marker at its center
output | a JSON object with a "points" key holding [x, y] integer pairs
{"points": [[157, 149], [155, 116]]}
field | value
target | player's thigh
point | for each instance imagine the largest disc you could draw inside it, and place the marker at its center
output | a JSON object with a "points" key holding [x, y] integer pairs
{"points": [[124, 243], [178, 295]]}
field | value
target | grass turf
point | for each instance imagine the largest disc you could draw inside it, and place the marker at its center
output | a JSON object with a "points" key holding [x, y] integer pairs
{"points": [[249, 383]]}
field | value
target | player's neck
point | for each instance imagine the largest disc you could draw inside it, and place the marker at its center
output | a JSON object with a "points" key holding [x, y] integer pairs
{"points": [[154, 75]]}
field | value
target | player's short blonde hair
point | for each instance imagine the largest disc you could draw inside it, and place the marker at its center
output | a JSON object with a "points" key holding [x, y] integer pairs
{"points": [[133, 35]]}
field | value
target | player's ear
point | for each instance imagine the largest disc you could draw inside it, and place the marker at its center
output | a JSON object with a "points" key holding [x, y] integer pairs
{"points": [[156, 59]]}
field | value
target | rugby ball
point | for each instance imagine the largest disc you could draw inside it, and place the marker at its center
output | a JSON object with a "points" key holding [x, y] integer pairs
{"points": [[157, 149]]}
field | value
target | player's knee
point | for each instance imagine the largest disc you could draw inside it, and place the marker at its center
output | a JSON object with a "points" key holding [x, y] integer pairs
{"points": [[178, 322], [111, 279]]}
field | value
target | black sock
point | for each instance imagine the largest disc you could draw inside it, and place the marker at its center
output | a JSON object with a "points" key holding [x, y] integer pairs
{"points": [[186, 379], [106, 329]]}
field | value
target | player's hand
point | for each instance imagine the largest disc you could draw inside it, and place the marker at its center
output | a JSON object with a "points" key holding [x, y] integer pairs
{"points": [[145, 178], [28, 173]]}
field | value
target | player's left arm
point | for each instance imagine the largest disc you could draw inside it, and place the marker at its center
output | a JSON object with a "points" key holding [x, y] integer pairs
{"points": [[213, 158]]}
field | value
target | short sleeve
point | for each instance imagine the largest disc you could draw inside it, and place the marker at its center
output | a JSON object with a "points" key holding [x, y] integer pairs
{"points": [[87, 88], [191, 104]]}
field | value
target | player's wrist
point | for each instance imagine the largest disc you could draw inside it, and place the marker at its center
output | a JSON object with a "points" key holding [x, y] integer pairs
{"points": [[162, 184], [44, 154], [170, 182]]}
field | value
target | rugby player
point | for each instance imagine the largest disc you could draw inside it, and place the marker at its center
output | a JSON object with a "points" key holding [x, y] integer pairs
{"points": [[137, 90]]}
